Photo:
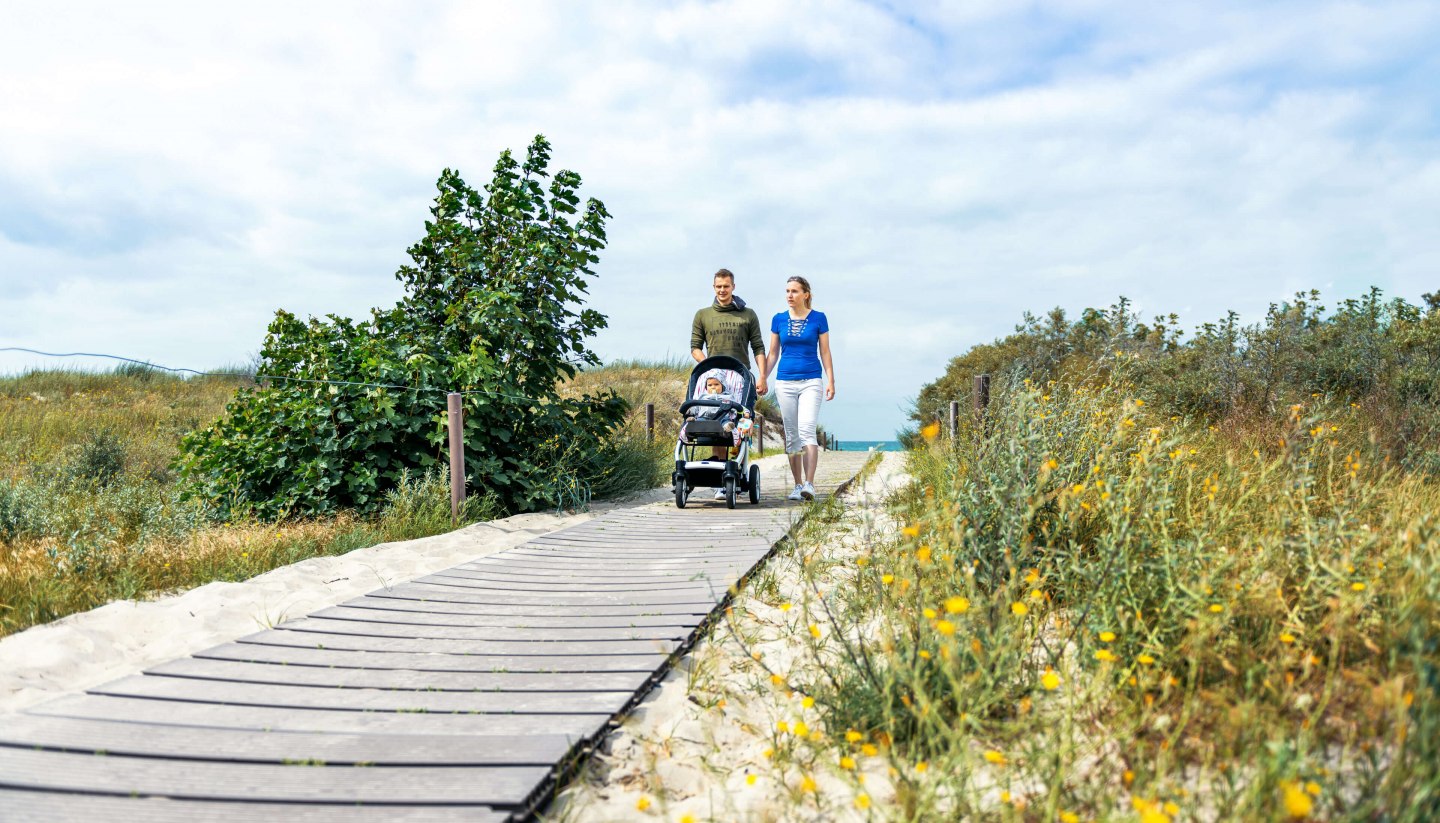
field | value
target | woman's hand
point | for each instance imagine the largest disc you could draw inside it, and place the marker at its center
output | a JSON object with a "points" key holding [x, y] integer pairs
{"points": [[830, 390]]}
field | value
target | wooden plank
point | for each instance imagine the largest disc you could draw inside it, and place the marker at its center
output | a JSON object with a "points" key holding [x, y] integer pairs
{"points": [[543, 634], [263, 782], [624, 562], [66, 807], [341, 658], [260, 718], [573, 587], [385, 600], [374, 614], [397, 679], [363, 700], [209, 743], [595, 571], [550, 648], [558, 575], [423, 591]]}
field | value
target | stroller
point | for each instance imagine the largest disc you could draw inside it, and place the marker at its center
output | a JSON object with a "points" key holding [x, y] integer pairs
{"points": [[712, 421]]}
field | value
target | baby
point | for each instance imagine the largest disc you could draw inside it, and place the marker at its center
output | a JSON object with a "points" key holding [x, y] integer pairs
{"points": [[714, 390]]}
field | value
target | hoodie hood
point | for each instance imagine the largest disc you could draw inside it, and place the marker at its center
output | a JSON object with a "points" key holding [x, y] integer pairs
{"points": [[736, 304]]}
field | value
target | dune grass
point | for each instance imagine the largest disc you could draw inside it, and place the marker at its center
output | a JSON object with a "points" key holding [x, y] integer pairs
{"points": [[1099, 611], [90, 510]]}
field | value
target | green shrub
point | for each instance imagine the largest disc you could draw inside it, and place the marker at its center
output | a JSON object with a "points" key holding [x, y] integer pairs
{"points": [[99, 459], [492, 309], [1384, 354]]}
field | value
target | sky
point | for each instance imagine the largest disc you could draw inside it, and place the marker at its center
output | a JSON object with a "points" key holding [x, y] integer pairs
{"points": [[171, 174]]}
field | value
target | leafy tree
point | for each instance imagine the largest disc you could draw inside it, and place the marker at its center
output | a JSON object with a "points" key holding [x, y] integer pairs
{"points": [[493, 308]]}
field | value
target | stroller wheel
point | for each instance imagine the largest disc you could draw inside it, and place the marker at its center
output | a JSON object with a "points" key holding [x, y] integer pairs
{"points": [[754, 483], [730, 492], [681, 492]]}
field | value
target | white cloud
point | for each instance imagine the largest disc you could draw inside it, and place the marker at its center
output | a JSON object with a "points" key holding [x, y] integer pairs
{"points": [[170, 175]]}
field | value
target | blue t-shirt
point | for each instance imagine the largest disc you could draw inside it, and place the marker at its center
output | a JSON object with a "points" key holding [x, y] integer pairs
{"points": [[800, 344]]}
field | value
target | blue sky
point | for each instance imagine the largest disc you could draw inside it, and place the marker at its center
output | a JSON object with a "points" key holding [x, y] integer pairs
{"points": [[171, 174]]}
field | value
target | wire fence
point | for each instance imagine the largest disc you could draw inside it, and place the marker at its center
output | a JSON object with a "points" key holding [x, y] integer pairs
{"points": [[258, 376]]}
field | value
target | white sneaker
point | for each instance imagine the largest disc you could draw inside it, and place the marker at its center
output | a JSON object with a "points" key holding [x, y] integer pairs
{"points": [[807, 491], [720, 493], [795, 494]]}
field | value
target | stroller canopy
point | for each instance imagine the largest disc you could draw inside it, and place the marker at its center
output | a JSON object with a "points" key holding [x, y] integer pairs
{"points": [[739, 383]]}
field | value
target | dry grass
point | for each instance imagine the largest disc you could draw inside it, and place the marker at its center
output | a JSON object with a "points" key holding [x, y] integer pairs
{"points": [[1098, 611]]}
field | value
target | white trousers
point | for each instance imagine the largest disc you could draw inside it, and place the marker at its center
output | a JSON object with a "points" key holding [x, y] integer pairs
{"points": [[800, 409]]}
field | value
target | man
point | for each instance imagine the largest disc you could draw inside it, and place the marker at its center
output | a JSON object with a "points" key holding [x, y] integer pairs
{"points": [[728, 327]]}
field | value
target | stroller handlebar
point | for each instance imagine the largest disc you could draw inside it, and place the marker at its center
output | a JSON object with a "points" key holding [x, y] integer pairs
{"points": [[730, 405]]}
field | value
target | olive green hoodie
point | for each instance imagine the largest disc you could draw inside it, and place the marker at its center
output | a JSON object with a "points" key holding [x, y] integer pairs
{"points": [[726, 330]]}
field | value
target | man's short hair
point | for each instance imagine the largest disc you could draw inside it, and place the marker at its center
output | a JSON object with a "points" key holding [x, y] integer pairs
{"points": [[724, 273]]}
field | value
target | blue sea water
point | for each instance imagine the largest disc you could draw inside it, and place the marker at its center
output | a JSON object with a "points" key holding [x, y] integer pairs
{"points": [[867, 445]]}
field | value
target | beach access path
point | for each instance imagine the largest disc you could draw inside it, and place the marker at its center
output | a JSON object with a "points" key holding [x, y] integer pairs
{"points": [[463, 694]]}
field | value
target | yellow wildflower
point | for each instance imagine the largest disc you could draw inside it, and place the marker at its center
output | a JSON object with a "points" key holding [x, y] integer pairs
{"points": [[807, 701], [911, 531], [814, 630], [1106, 637], [945, 627], [862, 801], [847, 762], [995, 757], [956, 605], [1359, 587], [929, 613], [807, 784], [1144, 659], [801, 729], [1216, 608], [1297, 803], [869, 750], [785, 607], [853, 736], [922, 554], [1105, 655], [1050, 680], [887, 579], [930, 431], [922, 766], [1287, 638], [1019, 609], [749, 779], [643, 803]]}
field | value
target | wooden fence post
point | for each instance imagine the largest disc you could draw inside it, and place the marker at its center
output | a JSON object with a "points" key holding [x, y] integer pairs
{"points": [[760, 436], [954, 417], [649, 422], [982, 395], [455, 416]]}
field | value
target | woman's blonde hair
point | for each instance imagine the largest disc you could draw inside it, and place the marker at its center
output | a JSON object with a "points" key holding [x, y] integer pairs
{"points": [[804, 285]]}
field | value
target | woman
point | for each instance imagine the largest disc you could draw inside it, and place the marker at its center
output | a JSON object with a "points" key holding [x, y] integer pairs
{"points": [[800, 345]]}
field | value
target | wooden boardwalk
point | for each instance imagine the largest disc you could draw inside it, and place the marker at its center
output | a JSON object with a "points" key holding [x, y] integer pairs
{"points": [[463, 695]]}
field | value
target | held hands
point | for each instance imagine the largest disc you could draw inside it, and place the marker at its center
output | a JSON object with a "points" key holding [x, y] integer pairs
{"points": [[761, 388]]}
